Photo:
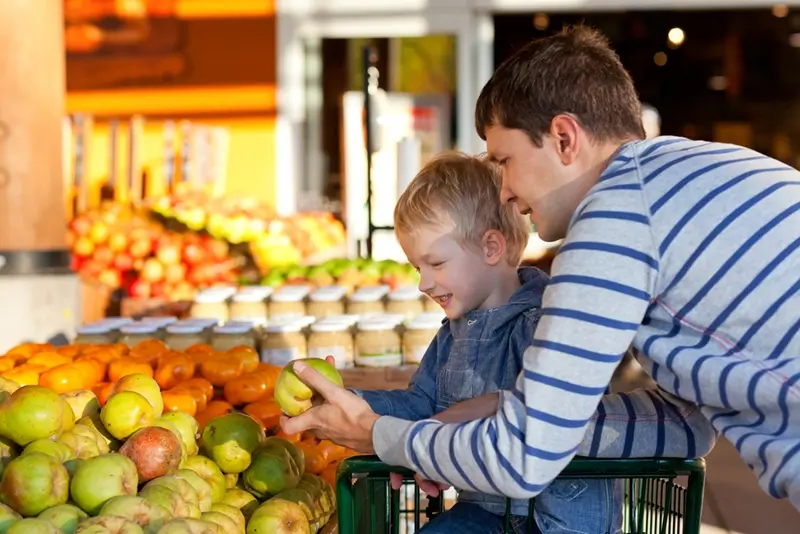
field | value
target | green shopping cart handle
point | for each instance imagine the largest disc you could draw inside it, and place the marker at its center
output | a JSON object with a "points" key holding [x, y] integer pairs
{"points": [[579, 467]]}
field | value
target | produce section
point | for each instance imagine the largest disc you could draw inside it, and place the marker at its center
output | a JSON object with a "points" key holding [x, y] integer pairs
{"points": [[186, 442]]}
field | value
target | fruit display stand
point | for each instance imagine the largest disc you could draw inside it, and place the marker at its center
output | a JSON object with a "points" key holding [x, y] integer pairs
{"points": [[187, 442]]}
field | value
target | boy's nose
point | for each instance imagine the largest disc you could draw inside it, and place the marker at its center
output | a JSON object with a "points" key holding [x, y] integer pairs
{"points": [[426, 283]]}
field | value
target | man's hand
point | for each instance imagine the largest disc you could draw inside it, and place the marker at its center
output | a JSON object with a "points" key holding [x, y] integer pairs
{"points": [[343, 418]]}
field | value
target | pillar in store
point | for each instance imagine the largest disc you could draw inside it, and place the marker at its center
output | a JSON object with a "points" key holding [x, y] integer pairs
{"points": [[40, 296]]}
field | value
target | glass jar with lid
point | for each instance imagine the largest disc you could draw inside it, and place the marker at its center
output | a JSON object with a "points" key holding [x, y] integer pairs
{"points": [[95, 334], [377, 344], [325, 301], [419, 332], [233, 334], [406, 301], [288, 302], [181, 336], [282, 342], [160, 322], [331, 338], [250, 305], [430, 304], [210, 305], [365, 302], [134, 333]]}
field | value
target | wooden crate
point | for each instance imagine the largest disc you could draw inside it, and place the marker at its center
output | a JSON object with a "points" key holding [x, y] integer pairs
{"points": [[95, 300], [378, 378]]}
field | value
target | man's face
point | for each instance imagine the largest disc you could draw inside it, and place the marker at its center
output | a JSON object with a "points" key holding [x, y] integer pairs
{"points": [[536, 179]]}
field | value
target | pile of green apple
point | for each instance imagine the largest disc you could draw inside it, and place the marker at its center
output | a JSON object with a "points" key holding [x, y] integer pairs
{"points": [[70, 466]]}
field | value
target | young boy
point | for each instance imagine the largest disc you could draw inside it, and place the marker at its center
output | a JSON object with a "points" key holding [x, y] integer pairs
{"points": [[467, 248]]}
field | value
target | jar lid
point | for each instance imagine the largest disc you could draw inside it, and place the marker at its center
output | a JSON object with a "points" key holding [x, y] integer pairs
{"points": [[249, 296], [115, 322], [325, 326], [364, 295], [159, 321], [205, 322], [405, 293], [261, 290], [94, 329], [139, 328], [375, 324], [289, 295], [234, 328], [348, 319], [394, 318], [283, 327], [210, 297], [305, 320], [183, 328], [328, 294]]}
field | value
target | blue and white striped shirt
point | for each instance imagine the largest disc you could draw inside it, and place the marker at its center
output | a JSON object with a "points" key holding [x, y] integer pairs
{"points": [[689, 251]]}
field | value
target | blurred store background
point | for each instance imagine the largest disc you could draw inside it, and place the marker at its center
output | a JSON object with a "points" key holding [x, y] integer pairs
{"points": [[224, 142]]}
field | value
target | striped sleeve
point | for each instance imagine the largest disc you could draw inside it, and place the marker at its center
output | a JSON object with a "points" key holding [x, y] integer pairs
{"points": [[604, 277]]}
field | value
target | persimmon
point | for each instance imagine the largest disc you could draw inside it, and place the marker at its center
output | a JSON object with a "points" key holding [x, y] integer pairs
{"points": [[49, 359], [128, 366], [179, 401], [64, 378], [204, 385], [219, 369], [316, 458], [26, 374], [102, 391], [149, 350], [102, 353], [332, 451], [200, 351], [70, 351], [6, 364], [173, 368], [26, 350], [92, 366], [248, 355], [291, 438], [265, 411], [329, 473], [249, 387], [199, 395], [213, 410]]}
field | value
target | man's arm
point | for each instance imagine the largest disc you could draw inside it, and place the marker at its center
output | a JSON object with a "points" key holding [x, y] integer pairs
{"points": [[419, 400], [603, 280]]}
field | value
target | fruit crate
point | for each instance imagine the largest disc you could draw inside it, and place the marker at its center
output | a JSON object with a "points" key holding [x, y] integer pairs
{"points": [[654, 501]]}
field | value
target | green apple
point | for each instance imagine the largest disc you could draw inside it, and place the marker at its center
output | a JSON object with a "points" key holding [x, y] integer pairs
{"points": [[83, 402], [126, 412], [99, 479], [278, 516], [64, 517], [230, 440], [32, 526], [7, 518], [108, 524], [187, 426], [34, 482], [292, 396]]}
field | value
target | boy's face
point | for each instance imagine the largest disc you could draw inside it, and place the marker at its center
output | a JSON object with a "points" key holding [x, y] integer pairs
{"points": [[537, 179], [457, 277]]}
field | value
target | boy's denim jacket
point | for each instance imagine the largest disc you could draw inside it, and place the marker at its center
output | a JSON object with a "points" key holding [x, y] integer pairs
{"points": [[481, 353]]}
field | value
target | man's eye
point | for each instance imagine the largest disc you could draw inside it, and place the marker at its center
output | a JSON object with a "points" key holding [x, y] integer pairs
{"points": [[502, 162]]}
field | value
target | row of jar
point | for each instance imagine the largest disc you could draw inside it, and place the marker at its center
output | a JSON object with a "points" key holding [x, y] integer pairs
{"points": [[381, 340], [257, 304]]}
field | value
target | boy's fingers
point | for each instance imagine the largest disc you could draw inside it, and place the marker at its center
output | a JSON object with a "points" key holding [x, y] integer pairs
{"points": [[396, 480], [331, 360]]}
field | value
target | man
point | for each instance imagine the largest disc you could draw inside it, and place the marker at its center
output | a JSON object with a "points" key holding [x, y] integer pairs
{"points": [[689, 251]]}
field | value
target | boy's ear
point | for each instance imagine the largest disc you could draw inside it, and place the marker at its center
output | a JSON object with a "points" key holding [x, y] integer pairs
{"points": [[494, 247]]}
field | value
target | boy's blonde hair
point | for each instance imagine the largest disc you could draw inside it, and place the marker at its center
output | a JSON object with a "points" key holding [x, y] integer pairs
{"points": [[467, 189]]}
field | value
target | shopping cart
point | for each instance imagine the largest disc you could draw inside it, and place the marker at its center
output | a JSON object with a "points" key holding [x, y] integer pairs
{"points": [[654, 501]]}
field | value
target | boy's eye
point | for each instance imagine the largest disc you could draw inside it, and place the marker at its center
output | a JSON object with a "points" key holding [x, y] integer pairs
{"points": [[437, 264]]}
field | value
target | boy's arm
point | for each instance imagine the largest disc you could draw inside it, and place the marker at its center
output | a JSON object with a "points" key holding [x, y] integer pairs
{"points": [[419, 400], [604, 279]]}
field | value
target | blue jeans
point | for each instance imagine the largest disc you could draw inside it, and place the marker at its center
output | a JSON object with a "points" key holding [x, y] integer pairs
{"points": [[468, 518]]}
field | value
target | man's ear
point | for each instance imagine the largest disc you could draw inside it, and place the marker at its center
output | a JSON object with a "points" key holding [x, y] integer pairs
{"points": [[494, 247], [565, 130]]}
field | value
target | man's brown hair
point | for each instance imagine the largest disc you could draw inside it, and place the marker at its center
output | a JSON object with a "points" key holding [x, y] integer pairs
{"points": [[463, 189], [574, 72]]}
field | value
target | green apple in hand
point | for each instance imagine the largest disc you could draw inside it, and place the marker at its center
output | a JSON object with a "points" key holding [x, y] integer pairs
{"points": [[292, 396]]}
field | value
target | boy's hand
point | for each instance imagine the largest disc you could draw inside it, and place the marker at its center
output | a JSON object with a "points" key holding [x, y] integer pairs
{"points": [[470, 410], [427, 486]]}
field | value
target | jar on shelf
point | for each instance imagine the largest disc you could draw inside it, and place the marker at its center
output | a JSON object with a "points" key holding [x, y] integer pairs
{"points": [[181, 336], [365, 302], [430, 305], [95, 334], [329, 338], [377, 344], [286, 303], [419, 332], [283, 342], [134, 333], [327, 301], [233, 334], [160, 322], [406, 301], [249, 306], [210, 305]]}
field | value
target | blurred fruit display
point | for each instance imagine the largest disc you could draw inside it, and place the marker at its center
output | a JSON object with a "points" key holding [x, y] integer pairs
{"points": [[173, 246]]}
